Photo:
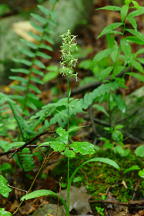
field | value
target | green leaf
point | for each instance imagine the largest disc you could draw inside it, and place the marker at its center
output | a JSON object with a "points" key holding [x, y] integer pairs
{"points": [[20, 70], [39, 64], [57, 146], [132, 21], [137, 66], [141, 173], [102, 54], [4, 189], [69, 153], [140, 151], [136, 33], [17, 78], [109, 29], [110, 7], [137, 12], [23, 61], [124, 11], [43, 10], [132, 168], [137, 76], [134, 39], [28, 53], [83, 148], [38, 193], [4, 213], [39, 18], [43, 55]]}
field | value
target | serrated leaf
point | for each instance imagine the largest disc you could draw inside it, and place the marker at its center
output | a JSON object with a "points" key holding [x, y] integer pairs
{"points": [[83, 148], [38, 193], [109, 29], [4, 189], [57, 146], [69, 153]]}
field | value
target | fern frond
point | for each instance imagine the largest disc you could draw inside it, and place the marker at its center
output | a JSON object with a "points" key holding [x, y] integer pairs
{"points": [[33, 66]]}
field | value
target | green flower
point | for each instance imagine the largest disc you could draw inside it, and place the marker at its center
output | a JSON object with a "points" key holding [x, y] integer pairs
{"points": [[68, 49]]}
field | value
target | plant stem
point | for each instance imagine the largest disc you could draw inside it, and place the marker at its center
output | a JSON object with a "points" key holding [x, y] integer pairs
{"points": [[68, 162]]}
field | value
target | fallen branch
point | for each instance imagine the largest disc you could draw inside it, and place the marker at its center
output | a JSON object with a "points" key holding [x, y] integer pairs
{"points": [[13, 151], [115, 202]]}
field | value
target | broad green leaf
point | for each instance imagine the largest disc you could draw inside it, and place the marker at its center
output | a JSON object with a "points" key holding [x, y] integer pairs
{"points": [[96, 159], [110, 7], [4, 189], [83, 148], [137, 76], [121, 151], [4, 213], [124, 11], [109, 29], [132, 168], [140, 151], [141, 173], [38, 193], [69, 153], [63, 134], [57, 146]]}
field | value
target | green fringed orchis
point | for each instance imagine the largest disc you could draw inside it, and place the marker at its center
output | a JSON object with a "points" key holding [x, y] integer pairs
{"points": [[68, 61]]}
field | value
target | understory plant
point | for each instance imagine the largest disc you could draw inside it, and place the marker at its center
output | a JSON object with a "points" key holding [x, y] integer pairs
{"points": [[110, 67]]}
